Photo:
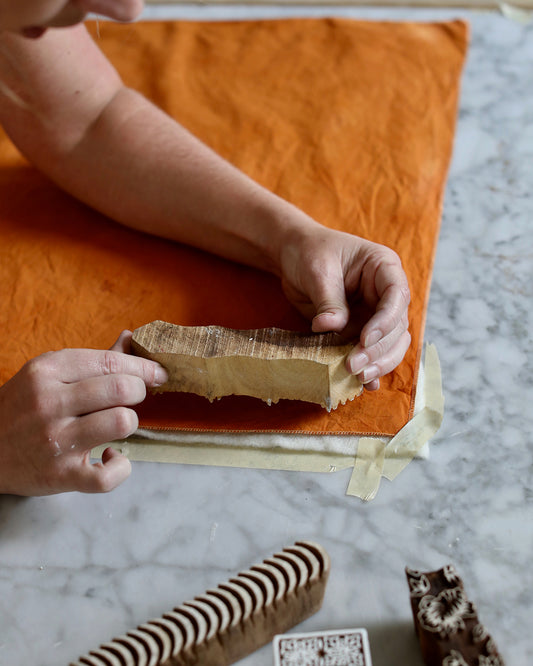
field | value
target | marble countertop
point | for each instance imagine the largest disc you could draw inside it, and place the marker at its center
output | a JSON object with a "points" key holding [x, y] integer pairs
{"points": [[77, 570]]}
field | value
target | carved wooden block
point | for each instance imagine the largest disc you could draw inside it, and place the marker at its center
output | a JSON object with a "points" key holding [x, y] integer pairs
{"points": [[229, 622], [446, 622], [342, 647], [268, 363]]}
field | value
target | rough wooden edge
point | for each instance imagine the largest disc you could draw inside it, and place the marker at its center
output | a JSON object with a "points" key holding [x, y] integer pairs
{"points": [[269, 364]]}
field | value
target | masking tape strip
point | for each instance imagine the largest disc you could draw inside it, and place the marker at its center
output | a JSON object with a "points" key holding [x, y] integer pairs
{"points": [[517, 14], [232, 456], [404, 446], [368, 468], [376, 457]]}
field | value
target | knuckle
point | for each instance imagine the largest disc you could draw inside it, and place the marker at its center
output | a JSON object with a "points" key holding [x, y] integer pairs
{"points": [[101, 483], [125, 422], [127, 389], [110, 363], [37, 369], [376, 351], [391, 255], [402, 296], [39, 398], [149, 370], [405, 294], [121, 388], [385, 256]]}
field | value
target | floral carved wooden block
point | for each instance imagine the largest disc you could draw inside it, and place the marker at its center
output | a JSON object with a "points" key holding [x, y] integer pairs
{"points": [[344, 647], [446, 621]]}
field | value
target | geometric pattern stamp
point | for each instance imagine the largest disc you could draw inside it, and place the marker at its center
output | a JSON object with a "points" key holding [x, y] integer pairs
{"points": [[343, 647]]}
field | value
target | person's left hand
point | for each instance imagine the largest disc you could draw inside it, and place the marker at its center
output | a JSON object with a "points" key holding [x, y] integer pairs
{"points": [[326, 273]]}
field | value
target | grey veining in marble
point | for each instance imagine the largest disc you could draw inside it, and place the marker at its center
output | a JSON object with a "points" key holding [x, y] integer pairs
{"points": [[77, 570]]}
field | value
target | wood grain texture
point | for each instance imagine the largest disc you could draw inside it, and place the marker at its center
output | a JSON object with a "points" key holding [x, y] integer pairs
{"points": [[270, 363]]}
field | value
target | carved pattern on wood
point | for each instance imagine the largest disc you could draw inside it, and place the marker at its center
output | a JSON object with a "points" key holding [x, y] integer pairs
{"points": [[446, 621], [229, 622], [338, 647]]}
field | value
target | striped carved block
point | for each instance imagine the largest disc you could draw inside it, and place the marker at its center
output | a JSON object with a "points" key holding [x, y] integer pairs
{"points": [[230, 621]]}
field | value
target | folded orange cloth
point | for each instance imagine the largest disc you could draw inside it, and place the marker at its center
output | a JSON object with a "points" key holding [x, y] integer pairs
{"points": [[352, 121]]}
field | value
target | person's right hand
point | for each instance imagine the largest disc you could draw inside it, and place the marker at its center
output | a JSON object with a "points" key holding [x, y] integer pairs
{"points": [[62, 404]]}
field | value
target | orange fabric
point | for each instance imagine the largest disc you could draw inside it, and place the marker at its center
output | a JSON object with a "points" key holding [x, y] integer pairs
{"points": [[352, 121]]}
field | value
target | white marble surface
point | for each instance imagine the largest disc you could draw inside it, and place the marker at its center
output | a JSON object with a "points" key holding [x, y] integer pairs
{"points": [[77, 570]]}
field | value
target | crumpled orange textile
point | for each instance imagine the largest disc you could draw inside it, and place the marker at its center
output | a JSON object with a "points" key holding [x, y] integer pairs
{"points": [[352, 121]]}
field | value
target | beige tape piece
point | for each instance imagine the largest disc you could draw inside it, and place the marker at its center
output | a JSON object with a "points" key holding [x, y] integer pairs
{"points": [[228, 456], [376, 458], [368, 468], [518, 14], [404, 446]]}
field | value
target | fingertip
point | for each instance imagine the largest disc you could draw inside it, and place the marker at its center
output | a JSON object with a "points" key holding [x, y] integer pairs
{"points": [[160, 376], [328, 321], [372, 385], [357, 360], [123, 342], [112, 454]]}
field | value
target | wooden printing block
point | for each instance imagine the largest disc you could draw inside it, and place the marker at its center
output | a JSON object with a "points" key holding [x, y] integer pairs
{"points": [[225, 624], [206, 648], [446, 622], [269, 363], [339, 647]]}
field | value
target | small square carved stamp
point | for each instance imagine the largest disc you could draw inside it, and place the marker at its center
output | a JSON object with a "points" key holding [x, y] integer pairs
{"points": [[342, 647]]}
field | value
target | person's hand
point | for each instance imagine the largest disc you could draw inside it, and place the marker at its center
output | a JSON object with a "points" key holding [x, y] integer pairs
{"points": [[62, 404], [336, 280]]}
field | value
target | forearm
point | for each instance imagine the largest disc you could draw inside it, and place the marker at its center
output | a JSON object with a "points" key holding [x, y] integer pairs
{"points": [[141, 168], [114, 150]]}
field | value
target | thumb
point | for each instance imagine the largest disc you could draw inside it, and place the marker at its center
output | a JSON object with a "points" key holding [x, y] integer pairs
{"points": [[101, 477], [332, 311], [123, 343]]}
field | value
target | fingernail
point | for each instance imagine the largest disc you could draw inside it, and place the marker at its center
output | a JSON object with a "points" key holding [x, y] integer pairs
{"points": [[358, 362], [318, 318], [369, 374], [161, 376], [373, 338]]}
